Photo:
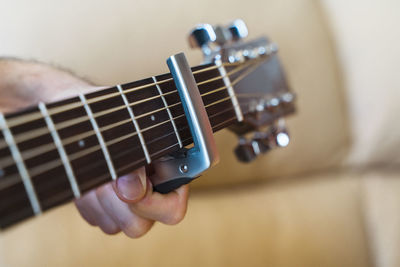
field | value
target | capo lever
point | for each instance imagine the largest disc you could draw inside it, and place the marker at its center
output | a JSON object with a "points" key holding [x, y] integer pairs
{"points": [[179, 170]]}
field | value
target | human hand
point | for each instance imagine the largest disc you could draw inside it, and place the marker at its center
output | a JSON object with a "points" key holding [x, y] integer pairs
{"points": [[128, 204]]}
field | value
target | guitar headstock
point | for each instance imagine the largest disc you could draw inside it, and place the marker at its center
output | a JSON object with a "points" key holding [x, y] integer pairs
{"points": [[258, 82]]}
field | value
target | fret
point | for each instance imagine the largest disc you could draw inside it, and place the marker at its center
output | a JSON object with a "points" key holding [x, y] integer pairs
{"points": [[14, 202], [152, 114], [168, 86], [212, 92], [231, 92], [80, 144], [169, 112], [26, 179], [99, 137], [61, 151], [117, 129], [135, 123], [43, 162], [105, 134]]}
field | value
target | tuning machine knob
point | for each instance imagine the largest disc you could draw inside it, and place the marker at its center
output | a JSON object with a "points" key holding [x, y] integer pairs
{"points": [[280, 134], [262, 142], [281, 138], [210, 38], [238, 29], [245, 151], [202, 37]]}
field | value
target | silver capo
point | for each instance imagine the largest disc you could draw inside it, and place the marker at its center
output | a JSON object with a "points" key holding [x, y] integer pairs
{"points": [[173, 172]]}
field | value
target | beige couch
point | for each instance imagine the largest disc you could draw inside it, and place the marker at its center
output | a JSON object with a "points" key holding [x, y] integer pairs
{"points": [[330, 199]]}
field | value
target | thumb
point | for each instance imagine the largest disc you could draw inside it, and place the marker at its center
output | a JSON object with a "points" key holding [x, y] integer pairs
{"points": [[132, 187]]}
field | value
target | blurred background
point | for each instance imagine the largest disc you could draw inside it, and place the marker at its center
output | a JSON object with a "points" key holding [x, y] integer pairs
{"points": [[332, 198]]}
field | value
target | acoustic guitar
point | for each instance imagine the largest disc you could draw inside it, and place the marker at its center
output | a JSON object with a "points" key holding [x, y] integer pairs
{"points": [[55, 152]]}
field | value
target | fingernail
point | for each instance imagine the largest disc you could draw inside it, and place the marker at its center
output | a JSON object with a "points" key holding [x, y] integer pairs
{"points": [[132, 186]]}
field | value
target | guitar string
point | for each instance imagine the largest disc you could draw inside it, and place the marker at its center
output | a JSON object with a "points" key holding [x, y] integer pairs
{"points": [[14, 179], [50, 147], [133, 164], [88, 151], [43, 130], [36, 115], [9, 181], [41, 150], [28, 154], [80, 154]]}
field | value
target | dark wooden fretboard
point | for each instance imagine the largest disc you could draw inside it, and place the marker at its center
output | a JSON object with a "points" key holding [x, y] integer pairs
{"points": [[53, 153]]}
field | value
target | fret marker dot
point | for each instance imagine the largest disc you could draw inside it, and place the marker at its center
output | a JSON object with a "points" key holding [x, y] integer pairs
{"points": [[152, 118], [81, 143]]}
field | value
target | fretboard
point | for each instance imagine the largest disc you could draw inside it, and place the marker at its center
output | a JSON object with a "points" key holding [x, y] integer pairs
{"points": [[55, 152]]}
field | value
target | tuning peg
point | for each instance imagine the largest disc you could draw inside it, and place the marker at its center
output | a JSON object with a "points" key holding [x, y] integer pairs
{"points": [[282, 138], [280, 134], [223, 35], [201, 37], [238, 29], [263, 141], [245, 151]]}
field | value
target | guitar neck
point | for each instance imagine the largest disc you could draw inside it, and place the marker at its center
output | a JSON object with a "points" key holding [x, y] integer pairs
{"points": [[55, 152]]}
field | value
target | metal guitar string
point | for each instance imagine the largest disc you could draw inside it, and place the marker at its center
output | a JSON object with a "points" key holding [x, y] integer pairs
{"points": [[50, 146], [43, 130], [56, 163], [95, 148], [17, 121]]}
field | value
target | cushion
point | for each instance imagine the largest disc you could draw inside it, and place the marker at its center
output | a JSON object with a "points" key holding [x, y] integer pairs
{"points": [[120, 41], [367, 41], [309, 222]]}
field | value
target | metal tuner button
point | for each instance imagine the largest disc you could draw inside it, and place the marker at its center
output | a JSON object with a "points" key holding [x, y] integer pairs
{"points": [[238, 29], [246, 151], [202, 36]]}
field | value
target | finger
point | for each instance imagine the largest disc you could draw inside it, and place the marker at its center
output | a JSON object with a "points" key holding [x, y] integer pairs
{"points": [[83, 205], [131, 224], [132, 187], [91, 210], [168, 209]]}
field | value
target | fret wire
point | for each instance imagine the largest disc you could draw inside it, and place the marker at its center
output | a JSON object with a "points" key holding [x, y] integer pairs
{"points": [[61, 151], [48, 147], [37, 170], [99, 137], [16, 121], [26, 179], [214, 127], [169, 112], [39, 132], [218, 89], [231, 92], [164, 149], [55, 163], [67, 141], [135, 123]]}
